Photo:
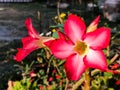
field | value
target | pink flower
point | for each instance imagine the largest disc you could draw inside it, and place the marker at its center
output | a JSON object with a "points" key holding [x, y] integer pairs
{"points": [[117, 82], [32, 74], [115, 66], [57, 76], [50, 79], [81, 49], [30, 43]]}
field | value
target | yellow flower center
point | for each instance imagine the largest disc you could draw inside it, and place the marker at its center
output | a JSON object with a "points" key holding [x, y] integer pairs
{"points": [[81, 48]]}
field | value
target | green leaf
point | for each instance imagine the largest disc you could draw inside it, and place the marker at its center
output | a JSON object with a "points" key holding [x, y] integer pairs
{"points": [[57, 26], [55, 35], [108, 61], [110, 88], [61, 62], [34, 84], [108, 75]]}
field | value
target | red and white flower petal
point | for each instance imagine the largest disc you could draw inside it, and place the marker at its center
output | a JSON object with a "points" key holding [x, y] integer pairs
{"points": [[95, 21], [49, 42], [29, 42], [29, 45], [74, 67], [99, 38], [60, 48], [26, 40], [74, 28], [62, 35], [22, 53], [31, 30], [96, 59], [93, 25]]}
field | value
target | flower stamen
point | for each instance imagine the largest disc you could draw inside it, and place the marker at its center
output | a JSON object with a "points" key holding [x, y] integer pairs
{"points": [[81, 48]]}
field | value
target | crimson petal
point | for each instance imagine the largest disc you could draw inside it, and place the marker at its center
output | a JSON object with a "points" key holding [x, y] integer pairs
{"points": [[74, 28], [96, 59], [99, 38], [93, 25], [60, 48], [74, 67], [29, 45], [31, 30]]}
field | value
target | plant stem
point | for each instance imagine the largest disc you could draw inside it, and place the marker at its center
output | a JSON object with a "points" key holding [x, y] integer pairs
{"points": [[77, 84], [56, 67], [87, 80], [108, 51], [67, 82], [48, 68], [114, 58]]}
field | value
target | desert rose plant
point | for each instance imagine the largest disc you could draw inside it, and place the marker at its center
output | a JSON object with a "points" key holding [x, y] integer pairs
{"points": [[80, 47], [30, 43]]}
